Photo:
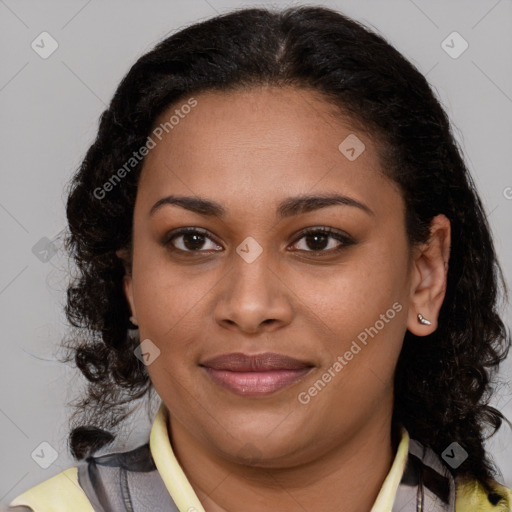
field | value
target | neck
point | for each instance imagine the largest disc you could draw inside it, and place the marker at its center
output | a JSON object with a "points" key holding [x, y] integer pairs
{"points": [[348, 477]]}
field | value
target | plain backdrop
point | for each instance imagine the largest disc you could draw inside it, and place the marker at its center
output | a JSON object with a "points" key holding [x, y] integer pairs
{"points": [[49, 116]]}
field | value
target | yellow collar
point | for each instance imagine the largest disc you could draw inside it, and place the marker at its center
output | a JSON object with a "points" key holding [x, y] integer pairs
{"points": [[186, 500]]}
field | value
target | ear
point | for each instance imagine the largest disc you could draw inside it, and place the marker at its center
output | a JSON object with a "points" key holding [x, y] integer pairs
{"points": [[127, 280], [429, 277]]}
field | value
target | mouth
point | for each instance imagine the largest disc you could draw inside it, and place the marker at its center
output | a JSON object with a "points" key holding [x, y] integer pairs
{"points": [[255, 375]]}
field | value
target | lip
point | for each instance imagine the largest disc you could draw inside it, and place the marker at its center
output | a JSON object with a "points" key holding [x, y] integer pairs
{"points": [[240, 362], [255, 375]]}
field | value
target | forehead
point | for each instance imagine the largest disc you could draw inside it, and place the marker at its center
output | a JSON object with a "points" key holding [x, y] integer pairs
{"points": [[257, 145]]}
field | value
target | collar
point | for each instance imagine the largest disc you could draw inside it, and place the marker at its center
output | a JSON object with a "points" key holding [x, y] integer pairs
{"points": [[186, 499]]}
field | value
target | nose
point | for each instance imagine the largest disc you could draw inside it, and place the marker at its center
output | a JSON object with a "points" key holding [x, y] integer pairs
{"points": [[253, 297]]}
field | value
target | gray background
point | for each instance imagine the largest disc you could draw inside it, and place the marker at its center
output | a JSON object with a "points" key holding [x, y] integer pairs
{"points": [[50, 109]]}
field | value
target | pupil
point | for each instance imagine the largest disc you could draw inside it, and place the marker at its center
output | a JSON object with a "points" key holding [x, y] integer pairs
{"points": [[317, 236], [198, 241]]}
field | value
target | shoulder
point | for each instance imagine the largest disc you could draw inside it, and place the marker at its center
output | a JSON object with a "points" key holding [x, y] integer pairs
{"points": [[114, 481], [82, 488], [459, 494], [472, 496], [61, 492]]}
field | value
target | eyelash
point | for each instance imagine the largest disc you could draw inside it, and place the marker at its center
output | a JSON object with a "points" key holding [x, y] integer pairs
{"points": [[345, 240]]}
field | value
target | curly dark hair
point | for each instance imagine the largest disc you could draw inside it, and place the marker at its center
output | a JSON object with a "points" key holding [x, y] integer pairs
{"points": [[443, 381]]}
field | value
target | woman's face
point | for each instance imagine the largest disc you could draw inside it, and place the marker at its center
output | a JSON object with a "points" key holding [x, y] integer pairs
{"points": [[249, 281]]}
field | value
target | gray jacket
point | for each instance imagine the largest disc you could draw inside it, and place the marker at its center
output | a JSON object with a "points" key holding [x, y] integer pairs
{"points": [[120, 481]]}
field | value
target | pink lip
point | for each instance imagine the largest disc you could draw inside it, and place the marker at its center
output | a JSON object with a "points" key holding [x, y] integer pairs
{"points": [[255, 375], [256, 383]]}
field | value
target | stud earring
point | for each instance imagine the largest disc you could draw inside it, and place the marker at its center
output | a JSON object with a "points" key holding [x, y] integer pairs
{"points": [[423, 320], [132, 324]]}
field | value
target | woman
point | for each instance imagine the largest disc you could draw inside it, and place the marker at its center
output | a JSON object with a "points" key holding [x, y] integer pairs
{"points": [[276, 201]]}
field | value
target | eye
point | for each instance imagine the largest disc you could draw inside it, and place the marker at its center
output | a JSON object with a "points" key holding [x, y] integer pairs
{"points": [[188, 240], [318, 240]]}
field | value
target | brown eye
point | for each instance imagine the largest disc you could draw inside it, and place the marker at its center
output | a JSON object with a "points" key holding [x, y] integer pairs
{"points": [[190, 240], [323, 240]]}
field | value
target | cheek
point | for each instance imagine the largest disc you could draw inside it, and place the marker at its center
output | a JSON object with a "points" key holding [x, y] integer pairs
{"points": [[166, 297], [357, 291], [365, 306]]}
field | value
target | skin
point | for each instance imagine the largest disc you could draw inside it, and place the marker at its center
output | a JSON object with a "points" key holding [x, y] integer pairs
{"points": [[249, 150]]}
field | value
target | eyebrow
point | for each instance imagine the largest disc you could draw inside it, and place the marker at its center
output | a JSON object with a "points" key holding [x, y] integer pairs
{"points": [[287, 208]]}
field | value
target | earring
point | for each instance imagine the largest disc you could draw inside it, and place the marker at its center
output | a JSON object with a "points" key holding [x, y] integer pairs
{"points": [[132, 324], [423, 320]]}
